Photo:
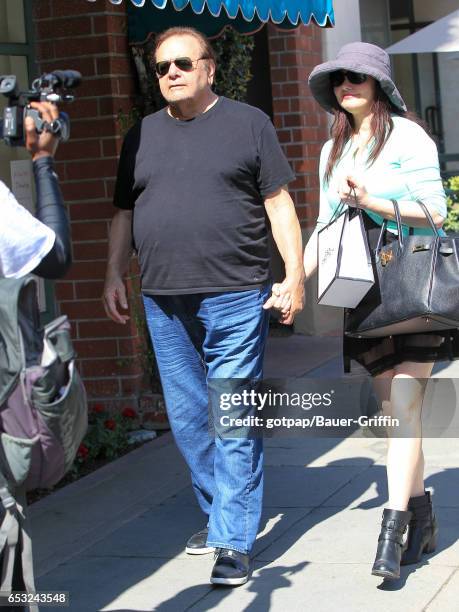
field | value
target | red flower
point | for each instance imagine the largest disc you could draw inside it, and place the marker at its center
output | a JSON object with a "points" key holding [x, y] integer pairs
{"points": [[110, 424], [98, 408], [83, 451], [129, 413]]}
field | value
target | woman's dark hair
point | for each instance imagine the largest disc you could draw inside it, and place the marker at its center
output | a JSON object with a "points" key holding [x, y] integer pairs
{"points": [[381, 127]]}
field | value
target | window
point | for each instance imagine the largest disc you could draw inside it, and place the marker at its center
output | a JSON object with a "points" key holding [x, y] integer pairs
{"points": [[15, 58], [12, 22], [375, 22], [400, 10]]}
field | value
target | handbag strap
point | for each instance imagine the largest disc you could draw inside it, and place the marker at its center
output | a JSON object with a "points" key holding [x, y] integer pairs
{"points": [[398, 220], [427, 214]]}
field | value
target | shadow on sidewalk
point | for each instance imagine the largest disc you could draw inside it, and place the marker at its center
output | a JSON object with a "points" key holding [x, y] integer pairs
{"points": [[269, 578], [277, 578]]}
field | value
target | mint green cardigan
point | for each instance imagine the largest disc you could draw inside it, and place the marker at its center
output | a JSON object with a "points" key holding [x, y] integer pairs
{"points": [[407, 169]]}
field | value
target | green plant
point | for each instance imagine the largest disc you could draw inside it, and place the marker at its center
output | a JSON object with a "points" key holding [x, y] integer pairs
{"points": [[106, 438], [452, 198], [234, 58], [127, 120], [146, 353]]}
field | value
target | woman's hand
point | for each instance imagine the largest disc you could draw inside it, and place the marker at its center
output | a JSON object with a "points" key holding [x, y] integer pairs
{"points": [[281, 300], [353, 192], [44, 144]]}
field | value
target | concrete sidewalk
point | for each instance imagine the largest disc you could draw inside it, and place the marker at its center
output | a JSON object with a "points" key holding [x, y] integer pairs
{"points": [[115, 539]]}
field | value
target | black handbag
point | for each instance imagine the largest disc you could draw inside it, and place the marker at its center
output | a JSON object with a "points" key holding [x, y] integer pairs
{"points": [[416, 288]]}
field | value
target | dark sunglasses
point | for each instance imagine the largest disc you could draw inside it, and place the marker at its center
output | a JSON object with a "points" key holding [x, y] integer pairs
{"points": [[183, 63], [356, 78]]}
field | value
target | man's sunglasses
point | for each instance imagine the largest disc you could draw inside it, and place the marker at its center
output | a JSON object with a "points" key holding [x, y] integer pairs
{"points": [[183, 63], [356, 78]]}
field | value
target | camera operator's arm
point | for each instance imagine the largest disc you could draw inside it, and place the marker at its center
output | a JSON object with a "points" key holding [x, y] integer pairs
{"points": [[51, 209]]}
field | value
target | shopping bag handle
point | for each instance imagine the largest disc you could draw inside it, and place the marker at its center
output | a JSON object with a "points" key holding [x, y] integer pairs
{"points": [[340, 209]]}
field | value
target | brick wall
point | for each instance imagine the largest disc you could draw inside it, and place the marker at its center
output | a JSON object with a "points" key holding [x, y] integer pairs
{"points": [[92, 38], [301, 124]]}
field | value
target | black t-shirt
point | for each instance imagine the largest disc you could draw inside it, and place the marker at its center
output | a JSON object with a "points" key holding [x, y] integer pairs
{"points": [[197, 189]]}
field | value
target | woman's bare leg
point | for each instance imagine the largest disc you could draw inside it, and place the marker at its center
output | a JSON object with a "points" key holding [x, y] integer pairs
{"points": [[405, 459], [405, 471]]}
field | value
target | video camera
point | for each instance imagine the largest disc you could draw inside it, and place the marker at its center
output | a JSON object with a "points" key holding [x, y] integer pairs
{"points": [[51, 87]]}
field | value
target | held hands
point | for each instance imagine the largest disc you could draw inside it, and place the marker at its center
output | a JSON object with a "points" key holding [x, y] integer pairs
{"points": [[44, 144], [288, 298], [353, 192]]}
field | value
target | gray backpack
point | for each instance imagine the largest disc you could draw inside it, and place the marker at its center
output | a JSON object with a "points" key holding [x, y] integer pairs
{"points": [[43, 418]]}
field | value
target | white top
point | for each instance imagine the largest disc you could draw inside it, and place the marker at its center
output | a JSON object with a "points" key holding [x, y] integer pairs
{"points": [[407, 169], [24, 240]]}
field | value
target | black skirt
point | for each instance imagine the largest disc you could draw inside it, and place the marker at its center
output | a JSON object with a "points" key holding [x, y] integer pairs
{"points": [[380, 354]]}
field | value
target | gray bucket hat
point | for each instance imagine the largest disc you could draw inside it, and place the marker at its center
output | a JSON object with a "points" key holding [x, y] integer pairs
{"points": [[356, 57]]}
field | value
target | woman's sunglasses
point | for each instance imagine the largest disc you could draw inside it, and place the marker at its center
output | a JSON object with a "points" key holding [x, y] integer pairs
{"points": [[183, 63], [356, 78]]}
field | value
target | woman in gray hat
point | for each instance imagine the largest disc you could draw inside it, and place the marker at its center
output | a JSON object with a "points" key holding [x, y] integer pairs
{"points": [[379, 152]]}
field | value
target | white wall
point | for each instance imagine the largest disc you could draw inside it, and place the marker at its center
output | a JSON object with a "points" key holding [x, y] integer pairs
{"points": [[347, 29]]}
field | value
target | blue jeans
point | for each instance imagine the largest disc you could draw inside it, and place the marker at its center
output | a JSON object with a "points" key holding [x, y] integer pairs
{"points": [[202, 336]]}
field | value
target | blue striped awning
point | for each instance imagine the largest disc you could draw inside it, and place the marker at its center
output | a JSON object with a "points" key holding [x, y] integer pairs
{"points": [[211, 16]]}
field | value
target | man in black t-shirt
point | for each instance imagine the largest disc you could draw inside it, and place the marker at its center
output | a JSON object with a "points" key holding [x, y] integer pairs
{"points": [[197, 183]]}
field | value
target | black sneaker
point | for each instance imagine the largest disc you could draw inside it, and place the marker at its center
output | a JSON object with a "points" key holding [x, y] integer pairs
{"points": [[231, 567], [196, 545]]}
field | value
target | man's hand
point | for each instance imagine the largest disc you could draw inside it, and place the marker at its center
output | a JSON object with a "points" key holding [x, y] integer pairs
{"points": [[288, 298], [44, 144], [114, 294], [119, 252]]}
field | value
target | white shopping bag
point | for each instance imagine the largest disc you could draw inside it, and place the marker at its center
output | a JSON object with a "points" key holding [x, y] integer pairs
{"points": [[344, 263]]}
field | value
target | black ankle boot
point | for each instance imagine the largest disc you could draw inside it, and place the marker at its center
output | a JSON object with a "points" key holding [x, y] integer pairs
{"points": [[390, 543], [422, 531]]}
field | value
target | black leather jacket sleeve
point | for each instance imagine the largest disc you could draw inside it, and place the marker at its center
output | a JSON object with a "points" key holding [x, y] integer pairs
{"points": [[52, 212]]}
